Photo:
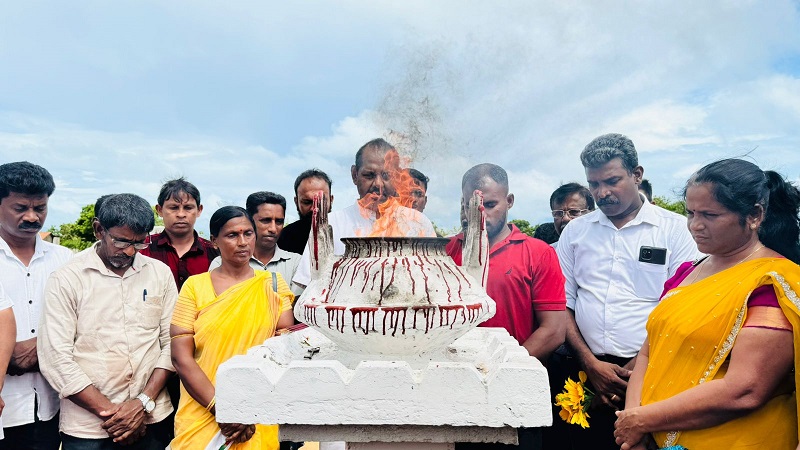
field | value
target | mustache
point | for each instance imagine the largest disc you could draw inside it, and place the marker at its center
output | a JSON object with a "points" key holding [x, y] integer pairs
{"points": [[607, 201], [30, 226]]}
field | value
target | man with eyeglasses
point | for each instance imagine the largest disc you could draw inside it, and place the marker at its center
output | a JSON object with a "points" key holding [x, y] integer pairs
{"points": [[615, 261], [30, 416], [104, 343], [568, 202]]}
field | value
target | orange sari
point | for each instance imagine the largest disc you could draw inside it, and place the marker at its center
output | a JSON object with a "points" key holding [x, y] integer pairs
{"points": [[692, 332]]}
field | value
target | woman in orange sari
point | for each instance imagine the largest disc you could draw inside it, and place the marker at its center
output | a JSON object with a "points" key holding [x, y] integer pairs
{"points": [[716, 371], [218, 315]]}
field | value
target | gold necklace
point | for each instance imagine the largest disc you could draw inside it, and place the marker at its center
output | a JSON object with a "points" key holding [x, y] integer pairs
{"points": [[701, 266]]}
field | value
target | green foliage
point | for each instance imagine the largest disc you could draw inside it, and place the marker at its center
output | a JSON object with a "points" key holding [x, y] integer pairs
{"points": [[678, 206], [524, 226], [443, 232], [79, 234], [159, 220]]}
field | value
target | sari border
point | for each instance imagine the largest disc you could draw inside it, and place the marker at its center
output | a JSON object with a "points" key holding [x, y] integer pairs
{"points": [[787, 289], [727, 345]]}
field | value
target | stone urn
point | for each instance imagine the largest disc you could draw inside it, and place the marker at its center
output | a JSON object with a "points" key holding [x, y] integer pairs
{"points": [[395, 295]]}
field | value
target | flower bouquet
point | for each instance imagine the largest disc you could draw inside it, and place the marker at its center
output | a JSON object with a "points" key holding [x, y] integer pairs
{"points": [[575, 400]]}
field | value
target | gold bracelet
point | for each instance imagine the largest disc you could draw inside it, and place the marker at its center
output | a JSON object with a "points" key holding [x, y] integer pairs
{"points": [[211, 403], [182, 335]]}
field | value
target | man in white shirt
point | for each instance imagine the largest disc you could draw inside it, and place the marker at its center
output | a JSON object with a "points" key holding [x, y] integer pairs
{"points": [[268, 211], [104, 344], [30, 416], [615, 262], [8, 337], [375, 163]]}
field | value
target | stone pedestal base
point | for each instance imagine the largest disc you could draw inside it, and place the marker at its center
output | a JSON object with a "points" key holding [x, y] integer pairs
{"points": [[481, 388], [398, 446], [397, 434]]}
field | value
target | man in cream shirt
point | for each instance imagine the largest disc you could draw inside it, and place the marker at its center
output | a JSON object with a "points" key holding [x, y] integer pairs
{"points": [[104, 343]]}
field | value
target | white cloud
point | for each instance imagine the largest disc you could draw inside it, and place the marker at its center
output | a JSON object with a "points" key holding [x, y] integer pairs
{"points": [[245, 97]]}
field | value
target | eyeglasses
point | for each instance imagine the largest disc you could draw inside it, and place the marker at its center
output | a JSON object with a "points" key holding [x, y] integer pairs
{"points": [[572, 213], [123, 244]]}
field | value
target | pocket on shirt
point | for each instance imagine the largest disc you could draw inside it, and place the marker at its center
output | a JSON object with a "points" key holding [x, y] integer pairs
{"points": [[648, 281], [151, 312]]}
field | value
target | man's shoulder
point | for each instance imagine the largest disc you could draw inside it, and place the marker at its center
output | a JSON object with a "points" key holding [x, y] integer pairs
{"points": [[156, 265], [57, 251], [668, 216], [522, 244], [291, 256]]}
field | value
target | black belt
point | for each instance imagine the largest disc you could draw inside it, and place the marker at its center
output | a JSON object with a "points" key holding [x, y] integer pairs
{"points": [[618, 360]]}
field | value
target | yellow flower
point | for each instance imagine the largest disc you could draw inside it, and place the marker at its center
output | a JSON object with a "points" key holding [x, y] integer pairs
{"points": [[575, 401]]}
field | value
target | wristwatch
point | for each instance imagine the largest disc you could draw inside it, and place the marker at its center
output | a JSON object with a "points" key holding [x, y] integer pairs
{"points": [[147, 402]]}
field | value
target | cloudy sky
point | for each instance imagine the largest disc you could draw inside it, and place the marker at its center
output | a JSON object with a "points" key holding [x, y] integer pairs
{"points": [[242, 96]]}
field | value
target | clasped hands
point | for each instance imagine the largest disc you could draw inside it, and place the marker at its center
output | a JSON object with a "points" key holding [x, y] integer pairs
{"points": [[125, 421], [609, 381], [237, 432]]}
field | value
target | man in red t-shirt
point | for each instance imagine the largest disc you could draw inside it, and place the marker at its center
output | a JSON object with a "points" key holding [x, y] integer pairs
{"points": [[525, 279]]}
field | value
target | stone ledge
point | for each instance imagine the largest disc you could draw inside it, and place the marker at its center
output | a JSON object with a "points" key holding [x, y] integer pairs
{"points": [[398, 433], [483, 379]]}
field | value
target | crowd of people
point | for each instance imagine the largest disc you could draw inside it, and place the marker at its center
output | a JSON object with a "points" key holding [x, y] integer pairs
{"points": [[686, 327]]}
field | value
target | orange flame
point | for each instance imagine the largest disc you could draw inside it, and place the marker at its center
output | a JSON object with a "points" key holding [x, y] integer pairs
{"points": [[394, 221]]}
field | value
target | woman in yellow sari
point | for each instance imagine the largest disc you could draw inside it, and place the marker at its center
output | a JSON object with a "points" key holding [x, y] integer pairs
{"points": [[716, 371], [218, 315]]}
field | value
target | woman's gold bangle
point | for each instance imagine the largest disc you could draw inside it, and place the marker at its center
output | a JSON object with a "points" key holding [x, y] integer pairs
{"points": [[211, 403], [181, 335]]}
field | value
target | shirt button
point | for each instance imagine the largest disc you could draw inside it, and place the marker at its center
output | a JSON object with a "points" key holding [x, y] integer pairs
{"points": [[33, 331], [30, 302], [29, 274]]}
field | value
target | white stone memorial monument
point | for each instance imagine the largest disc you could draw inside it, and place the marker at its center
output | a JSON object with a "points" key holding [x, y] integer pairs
{"points": [[391, 357]]}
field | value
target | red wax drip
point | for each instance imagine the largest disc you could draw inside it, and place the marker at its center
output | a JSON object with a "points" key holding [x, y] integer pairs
{"points": [[309, 314], [424, 278], [337, 312], [474, 311], [393, 313], [370, 313], [428, 312]]}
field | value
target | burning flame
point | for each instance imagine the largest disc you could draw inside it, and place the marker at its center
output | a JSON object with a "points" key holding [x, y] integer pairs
{"points": [[395, 218]]}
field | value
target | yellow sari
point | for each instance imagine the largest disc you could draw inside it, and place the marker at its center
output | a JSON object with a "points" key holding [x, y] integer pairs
{"points": [[692, 332], [243, 316]]}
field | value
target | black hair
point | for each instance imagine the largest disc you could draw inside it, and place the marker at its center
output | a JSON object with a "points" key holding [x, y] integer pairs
{"points": [[566, 190], [257, 199], [173, 189], [546, 232], [99, 203], [378, 144], [312, 173], [604, 148], [472, 177], [223, 215], [647, 188], [419, 176], [126, 210], [25, 178], [740, 185]]}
